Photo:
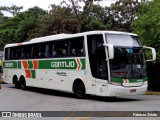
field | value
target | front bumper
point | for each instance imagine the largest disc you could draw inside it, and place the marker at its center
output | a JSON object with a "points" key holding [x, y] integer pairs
{"points": [[123, 91]]}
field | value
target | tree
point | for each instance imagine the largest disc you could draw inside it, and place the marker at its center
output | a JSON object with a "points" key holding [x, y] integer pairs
{"points": [[59, 20], [120, 15], [81, 13], [147, 26], [14, 10], [28, 24], [1, 17], [95, 19], [7, 31]]}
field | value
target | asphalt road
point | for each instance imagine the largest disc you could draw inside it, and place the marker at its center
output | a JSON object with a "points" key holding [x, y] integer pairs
{"points": [[35, 99]]}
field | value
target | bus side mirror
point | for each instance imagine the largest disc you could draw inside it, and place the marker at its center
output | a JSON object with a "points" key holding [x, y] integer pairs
{"points": [[153, 53], [110, 50]]}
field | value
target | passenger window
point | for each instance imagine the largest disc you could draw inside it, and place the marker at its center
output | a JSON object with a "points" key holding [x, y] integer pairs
{"points": [[18, 53], [7, 54], [77, 46], [47, 50], [15, 53], [60, 49], [38, 51], [28, 49], [41, 51]]}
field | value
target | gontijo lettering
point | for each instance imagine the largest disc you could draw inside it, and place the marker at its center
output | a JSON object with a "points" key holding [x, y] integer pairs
{"points": [[63, 64]]}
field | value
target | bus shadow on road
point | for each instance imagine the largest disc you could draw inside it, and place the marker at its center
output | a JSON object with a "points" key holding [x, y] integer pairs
{"points": [[48, 92], [71, 95], [112, 99]]}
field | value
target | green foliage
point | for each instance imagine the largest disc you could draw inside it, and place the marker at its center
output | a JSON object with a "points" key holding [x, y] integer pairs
{"points": [[7, 31], [68, 17], [29, 22], [59, 20], [6, 37], [122, 14], [1, 16], [147, 26], [95, 19]]}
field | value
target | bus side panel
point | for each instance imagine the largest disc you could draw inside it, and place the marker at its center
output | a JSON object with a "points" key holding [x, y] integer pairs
{"points": [[76, 74], [49, 79], [39, 78], [9, 74], [61, 80], [6, 76], [91, 84]]}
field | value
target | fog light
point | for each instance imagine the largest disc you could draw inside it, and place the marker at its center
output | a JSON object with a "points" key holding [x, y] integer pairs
{"points": [[115, 94], [116, 83]]}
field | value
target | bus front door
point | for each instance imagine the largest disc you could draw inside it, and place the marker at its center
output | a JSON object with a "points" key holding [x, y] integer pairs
{"points": [[98, 64], [101, 72]]}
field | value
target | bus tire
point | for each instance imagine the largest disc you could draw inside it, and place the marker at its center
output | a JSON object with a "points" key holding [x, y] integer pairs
{"points": [[16, 82], [79, 89], [22, 83]]}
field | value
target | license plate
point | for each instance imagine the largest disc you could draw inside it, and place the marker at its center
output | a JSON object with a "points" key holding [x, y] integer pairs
{"points": [[132, 90]]}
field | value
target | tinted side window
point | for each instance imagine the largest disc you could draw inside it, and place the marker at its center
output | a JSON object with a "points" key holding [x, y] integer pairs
{"points": [[52, 49], [76, 47], [68, 47], [15, 53], [60, 48], [12, 53], [38, 51], [7, 53]]}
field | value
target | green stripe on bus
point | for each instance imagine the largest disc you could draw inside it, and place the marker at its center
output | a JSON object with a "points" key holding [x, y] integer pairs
{"points": [[33, 72], [12, 64], [62, 64], [72, 64], [30, 65], [83, 63], [19, 64]]}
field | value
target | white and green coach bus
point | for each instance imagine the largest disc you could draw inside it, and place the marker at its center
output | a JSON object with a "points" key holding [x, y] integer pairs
{"points": [[103, 63]]}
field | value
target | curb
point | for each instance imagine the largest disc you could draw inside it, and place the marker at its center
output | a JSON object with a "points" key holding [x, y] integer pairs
{"points": [[152, 93], [1, 81]]}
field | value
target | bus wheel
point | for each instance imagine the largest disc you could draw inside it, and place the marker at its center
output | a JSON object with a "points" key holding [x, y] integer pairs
{"points": [[15, 82], [22, 83], [79, 90]]}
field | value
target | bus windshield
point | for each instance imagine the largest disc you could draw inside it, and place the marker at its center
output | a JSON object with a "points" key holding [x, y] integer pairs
{"points": [[123, 40], [128, 63], [129, 59]]}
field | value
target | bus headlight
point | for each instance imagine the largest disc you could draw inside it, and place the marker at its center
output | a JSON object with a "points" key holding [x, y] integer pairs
{"points": [[145, 82], [116, 83]]}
